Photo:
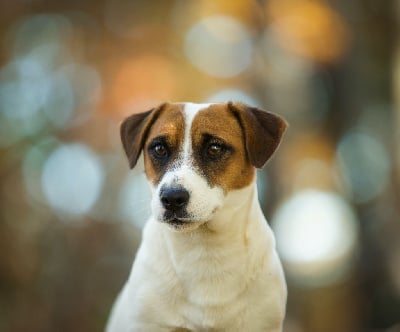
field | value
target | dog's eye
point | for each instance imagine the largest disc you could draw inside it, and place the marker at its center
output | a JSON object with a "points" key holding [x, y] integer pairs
{"points": [[160, 151], [214, 150]]}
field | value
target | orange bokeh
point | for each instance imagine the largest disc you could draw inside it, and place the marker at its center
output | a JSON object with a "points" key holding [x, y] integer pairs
{"points": [[310, 29], [142, 82]]}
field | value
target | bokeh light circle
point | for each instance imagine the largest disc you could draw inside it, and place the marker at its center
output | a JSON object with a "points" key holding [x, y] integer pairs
{"points": [[219, 46], [134, 200], [364, 165], [72, 179], [316, 235]]}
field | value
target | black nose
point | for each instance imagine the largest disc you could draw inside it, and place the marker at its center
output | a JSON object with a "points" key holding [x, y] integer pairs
{"points": [[174, 198]]}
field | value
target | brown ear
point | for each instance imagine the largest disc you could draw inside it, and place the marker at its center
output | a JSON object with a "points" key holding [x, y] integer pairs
{"points": [[134, 131], [262, 131]]}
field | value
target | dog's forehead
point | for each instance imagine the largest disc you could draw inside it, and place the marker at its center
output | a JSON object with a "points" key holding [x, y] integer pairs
{"points": [[189, 121], [218, 121], [170, 123]]}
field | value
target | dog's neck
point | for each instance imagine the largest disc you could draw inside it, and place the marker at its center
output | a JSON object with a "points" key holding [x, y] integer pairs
{"points": [[240, 207]]}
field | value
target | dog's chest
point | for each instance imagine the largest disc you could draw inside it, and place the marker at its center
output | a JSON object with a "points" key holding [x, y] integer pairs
{"points": [[212, 282], [211, 275]]}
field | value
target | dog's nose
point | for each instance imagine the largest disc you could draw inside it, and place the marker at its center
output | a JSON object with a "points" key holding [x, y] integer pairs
{"points": [[174, 199]]}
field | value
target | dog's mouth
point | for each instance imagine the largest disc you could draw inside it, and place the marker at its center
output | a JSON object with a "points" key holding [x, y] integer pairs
{"points": [[183, 224], [184, 221], [177, 222]]}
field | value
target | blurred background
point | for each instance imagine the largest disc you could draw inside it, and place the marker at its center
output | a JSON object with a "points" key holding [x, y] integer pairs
{"points": [[71, 211]]}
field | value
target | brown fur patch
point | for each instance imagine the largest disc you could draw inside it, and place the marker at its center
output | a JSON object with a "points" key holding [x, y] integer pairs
{"points": [[170, 125], [233, 170]]}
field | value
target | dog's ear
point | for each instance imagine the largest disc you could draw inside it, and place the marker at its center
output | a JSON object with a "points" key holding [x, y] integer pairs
{"points": [[262, 131], [134, 131]]}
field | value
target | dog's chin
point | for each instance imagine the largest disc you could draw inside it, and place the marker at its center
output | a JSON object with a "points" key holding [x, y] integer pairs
{"points": [[183, 225]]}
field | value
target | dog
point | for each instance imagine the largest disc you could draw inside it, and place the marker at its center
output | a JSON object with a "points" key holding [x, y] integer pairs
{"points": [[207, 260]]}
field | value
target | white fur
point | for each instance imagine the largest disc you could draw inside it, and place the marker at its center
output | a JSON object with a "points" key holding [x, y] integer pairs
{"points": [[204, 200], [223, 275], [190, 111]]}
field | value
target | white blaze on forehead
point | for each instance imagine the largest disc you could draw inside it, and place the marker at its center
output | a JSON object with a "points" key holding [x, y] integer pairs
{"points": [[190, 112]]}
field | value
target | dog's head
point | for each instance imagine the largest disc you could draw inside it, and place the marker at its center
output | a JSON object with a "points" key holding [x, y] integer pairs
{"points": [[195, 154]]}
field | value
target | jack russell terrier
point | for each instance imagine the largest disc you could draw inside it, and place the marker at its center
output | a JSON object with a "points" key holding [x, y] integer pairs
{"points": [[207, 261]]}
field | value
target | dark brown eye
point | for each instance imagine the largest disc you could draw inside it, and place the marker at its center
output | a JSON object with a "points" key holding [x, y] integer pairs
{"points": [[160, 151], [214, 150]]}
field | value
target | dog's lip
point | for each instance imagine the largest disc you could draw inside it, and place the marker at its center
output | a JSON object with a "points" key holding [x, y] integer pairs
{"points": [[178, 221], [182, 223]]}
